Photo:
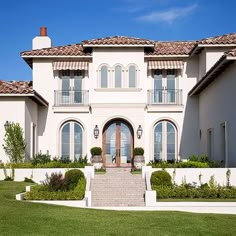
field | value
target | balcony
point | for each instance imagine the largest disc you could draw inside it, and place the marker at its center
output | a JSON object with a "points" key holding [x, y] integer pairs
{"points": [[71, 98], [165, 97], [165, 100]]}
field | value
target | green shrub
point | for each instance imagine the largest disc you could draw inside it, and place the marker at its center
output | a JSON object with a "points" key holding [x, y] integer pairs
{"points": [[138, 151], [72, 178], [51, 164], [96, 151], [41, 158], [45, 195], [8, 178], [187, 164], [204, 192], [192, 164], [161, 177], [55, 182], [28, 180], [193, 158], [1, 164]]}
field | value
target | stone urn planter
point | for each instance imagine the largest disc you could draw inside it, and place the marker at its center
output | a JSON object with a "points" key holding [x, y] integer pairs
{"points": [[138, 157], [96, 158]]}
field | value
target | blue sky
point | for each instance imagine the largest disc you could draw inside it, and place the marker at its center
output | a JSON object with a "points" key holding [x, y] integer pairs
{"points": [[70, 21]]}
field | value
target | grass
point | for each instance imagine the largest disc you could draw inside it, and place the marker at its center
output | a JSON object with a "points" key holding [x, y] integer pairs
{"points": [[25, 218]]}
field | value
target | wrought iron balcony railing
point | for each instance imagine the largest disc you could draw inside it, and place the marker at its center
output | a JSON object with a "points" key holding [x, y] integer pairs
{"points": [[165, 97], [71, 97]]}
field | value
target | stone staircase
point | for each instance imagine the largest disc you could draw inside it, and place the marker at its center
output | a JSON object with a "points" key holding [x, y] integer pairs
{"points": [[117, 188]]}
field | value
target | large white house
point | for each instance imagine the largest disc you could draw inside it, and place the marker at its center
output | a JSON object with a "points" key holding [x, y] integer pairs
{"points": [[174, 99]]}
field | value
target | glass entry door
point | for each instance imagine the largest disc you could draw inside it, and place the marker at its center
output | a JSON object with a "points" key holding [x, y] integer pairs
{"points": [[117, 144]]}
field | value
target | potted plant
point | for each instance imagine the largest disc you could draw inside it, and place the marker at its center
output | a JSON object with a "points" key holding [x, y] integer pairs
{"points": [[96, 159], [138, 157]]}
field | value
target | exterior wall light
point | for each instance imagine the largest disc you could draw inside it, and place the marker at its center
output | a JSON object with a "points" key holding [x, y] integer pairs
{"points": [[96, 131], [139, 132], [6, 125]]}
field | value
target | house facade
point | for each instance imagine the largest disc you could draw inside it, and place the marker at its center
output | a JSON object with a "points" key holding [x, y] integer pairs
{"points": [[119, 93]]}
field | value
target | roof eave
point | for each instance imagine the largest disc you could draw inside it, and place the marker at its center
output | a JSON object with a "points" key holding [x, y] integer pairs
{"points": [[118, 45], [165, 56], [199, 47], [210, 76], [36, 97]]}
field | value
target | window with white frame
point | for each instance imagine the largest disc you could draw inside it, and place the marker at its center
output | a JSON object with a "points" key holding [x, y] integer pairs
{"points": [[117, 76], [165, 144], [71, 139], [71, 86], [132, 76], [165, 87]]}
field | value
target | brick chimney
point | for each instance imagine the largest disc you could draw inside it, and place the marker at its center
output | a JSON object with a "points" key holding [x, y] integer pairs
{"points": [[42, 41]]}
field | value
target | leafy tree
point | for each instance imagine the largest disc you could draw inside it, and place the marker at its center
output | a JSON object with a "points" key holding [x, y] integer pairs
{"points": [[14, 143]]}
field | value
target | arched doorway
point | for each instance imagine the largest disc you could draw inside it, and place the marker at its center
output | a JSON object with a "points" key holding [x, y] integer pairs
{"points": [[118, 143]]}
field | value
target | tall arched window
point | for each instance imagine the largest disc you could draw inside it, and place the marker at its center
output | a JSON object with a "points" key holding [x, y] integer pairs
{"points": [[104, 77], [165, 137], [132, 77], [118, 76], [71, 140]]}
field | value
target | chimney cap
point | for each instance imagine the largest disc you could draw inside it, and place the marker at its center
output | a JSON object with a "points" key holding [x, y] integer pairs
{"points": [[43, 31]]}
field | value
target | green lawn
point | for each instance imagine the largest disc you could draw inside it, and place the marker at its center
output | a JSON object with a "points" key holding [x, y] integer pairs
{"points": [[24, 218]]}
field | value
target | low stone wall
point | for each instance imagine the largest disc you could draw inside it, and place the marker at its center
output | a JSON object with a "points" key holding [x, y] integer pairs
{"points": [[192, 174], [39, 174]]}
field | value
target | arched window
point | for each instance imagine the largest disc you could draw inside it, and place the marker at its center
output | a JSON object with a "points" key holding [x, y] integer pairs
{"points": [[165, 137], [71, 140], [132, 77], [104, 77], [118, 76]]}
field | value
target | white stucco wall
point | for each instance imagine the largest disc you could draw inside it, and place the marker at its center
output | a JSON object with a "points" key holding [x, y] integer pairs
{"points": [[108, 104], [31, 119], [216, 106], [12, 110]]}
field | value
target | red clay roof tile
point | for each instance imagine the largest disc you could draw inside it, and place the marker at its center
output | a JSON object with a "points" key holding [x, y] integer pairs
{"points": [[118, 40], [172, 48], [221, 39], [68, 50], [16, 87]]}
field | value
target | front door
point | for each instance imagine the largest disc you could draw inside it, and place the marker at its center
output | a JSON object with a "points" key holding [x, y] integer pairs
{"points": [[117, 144]]}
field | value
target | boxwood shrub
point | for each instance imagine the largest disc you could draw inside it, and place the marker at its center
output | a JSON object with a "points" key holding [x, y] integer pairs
{"points": [[161, 177]]}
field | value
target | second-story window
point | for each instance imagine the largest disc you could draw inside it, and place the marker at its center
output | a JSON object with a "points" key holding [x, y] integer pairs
{"points": [[165, 86], [118, 76], [71, 86], [132, 76], [104, 77]]}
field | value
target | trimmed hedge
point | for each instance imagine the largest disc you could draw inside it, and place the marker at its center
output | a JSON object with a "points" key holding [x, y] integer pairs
{"points": [[197, 192], [187, 164], [161, 177], [39, 192], [51, 164]]}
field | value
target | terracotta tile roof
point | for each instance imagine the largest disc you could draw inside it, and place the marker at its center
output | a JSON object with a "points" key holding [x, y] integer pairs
{"points": [[118, 40], [16, 87], [222, 39], [172, 48], [231, 53], [68, 50]]}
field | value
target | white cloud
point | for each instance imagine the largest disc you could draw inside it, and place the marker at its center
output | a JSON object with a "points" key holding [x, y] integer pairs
{"points": [[168, 16]]}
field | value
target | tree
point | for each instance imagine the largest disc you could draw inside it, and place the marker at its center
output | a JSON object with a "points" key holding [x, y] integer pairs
{"points": [[14, 142]]}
